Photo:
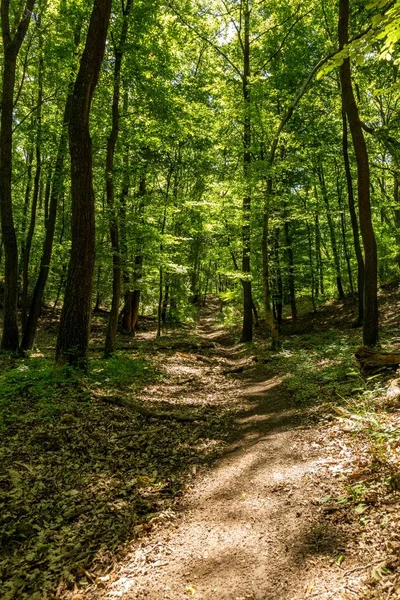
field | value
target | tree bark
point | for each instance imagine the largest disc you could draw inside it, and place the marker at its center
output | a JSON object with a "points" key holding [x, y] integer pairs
{"points": [[36, 185], [292, 289], [11, 47], [247, 329], [331, 233], [370, 325], [29, 332], [74, 331], [354, 222], [110, 343]]}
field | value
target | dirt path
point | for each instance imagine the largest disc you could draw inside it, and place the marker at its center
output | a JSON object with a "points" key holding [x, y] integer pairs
{"points": [[253, 526]]}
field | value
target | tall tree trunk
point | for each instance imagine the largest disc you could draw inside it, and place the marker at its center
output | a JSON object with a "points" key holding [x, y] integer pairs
{"points": [[74, 331], [354, 222], [310, 259], [138, 262], [332, 233], [28, 189], [12, 42], [36, 185], [29, 332], [161, 269], [292, 290], [110, 343], [370, 324], [269, 315], [247, 330], [345, 245], [278, 294], [320, 270], [126, 314]]}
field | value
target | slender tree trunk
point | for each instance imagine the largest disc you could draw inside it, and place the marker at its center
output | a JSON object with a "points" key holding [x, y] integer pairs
{"points": [[278, 302], [28, 189], [36, 185], [370, 324], [345, 246], [138, 262], [52, 202], [165, 302], [126, 313], [396, 199], [292, 291], [332, 234], [74, 331], [310, 260], [247, 330], [320, 266], [161, 270], [110, 343], [12, 42], [269, 315]]}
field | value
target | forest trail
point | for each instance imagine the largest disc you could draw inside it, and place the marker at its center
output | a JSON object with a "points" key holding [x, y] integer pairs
{"points": [[255, 525]]}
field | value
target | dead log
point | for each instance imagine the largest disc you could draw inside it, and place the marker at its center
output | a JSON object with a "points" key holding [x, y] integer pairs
{"points": [[151, 414], [371, 359]]}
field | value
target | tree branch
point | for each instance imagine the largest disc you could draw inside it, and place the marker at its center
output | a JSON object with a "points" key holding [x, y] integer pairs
{"points": [[205, 39]]}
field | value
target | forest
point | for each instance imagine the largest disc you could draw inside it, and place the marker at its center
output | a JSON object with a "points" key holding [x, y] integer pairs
{"points": [[200, 299]]}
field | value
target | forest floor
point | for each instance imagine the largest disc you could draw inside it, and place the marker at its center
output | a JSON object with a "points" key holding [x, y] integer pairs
{"points": [[194, 466]]}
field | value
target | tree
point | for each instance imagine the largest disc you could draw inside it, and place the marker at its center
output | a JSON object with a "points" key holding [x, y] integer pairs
{"points": [[73, 336], [370, 324], [12, 43]]}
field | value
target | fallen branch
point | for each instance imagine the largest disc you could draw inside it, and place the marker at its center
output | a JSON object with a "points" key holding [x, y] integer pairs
{"points": [[364, 567], [377, 358], [145, 412]]}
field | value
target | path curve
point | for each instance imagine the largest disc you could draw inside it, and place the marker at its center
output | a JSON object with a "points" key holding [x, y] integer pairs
{"points": [[251, 527]]}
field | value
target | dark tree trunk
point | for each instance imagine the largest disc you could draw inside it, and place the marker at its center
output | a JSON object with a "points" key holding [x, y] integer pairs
{"points": [[247, 330], [331, 233], [28, 189], [370, 325], [110, 343], [165, 303], [278, 300], [345, 245], [354, 223], [268, 311], [320, 270], [292, 290], [161, 269], [73, 336], [36, 185], [52, 203], [11, 47]]}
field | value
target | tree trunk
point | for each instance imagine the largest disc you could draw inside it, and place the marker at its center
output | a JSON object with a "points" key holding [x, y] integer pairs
{"points": [[269, 315], [28, 189], [247, 330], [110, 343], [332, 234], [292, 291], [354, 222], [370, 325], [74, 331], [29, 332], [11, 47], [36, 185], [320, 270]]}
